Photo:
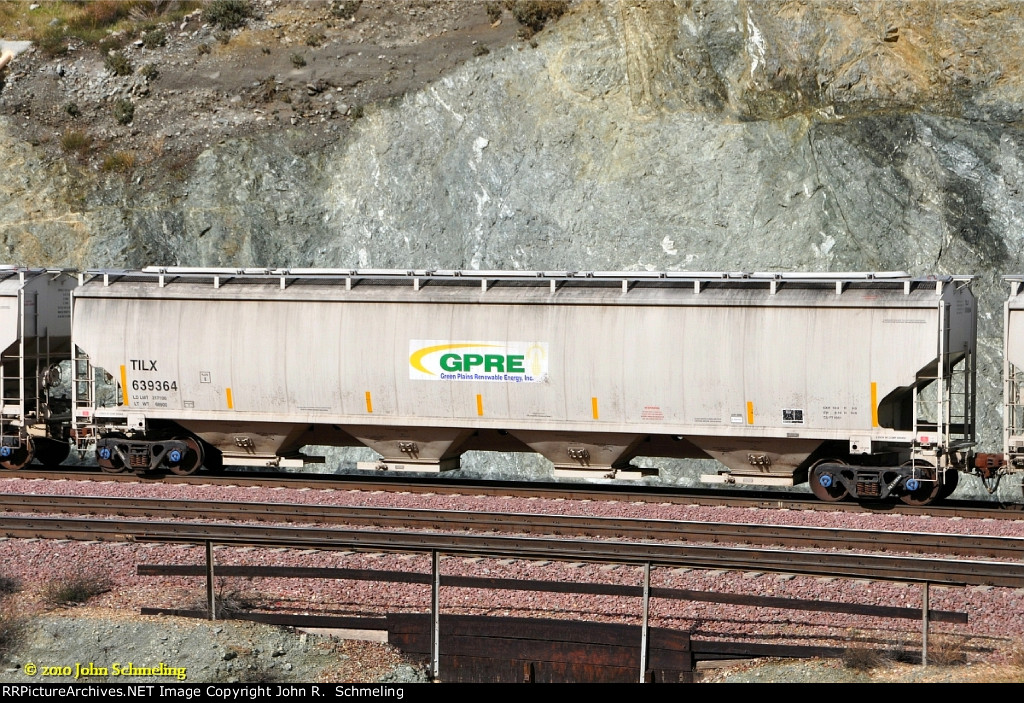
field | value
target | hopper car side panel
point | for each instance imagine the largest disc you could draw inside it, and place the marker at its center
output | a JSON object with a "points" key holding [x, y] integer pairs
{"points": [[10, 315], [737, 372]]}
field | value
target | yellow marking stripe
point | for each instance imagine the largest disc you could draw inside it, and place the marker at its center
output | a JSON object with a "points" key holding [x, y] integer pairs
{"points": [[479, 404], [750, 412], [593, 406], [369, 402], [874, 404], [124, 386], [231, 404]]}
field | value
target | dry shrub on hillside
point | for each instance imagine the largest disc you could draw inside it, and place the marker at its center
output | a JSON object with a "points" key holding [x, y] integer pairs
{"points": [[118, 162], [946, 651], [344, 9], [75, 141], [9, 586], [100, 14], [535, 14], [74, 588], [862, 658]]}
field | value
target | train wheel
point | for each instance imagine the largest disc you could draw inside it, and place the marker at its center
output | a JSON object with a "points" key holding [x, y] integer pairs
{"points": [[949, 483], [109, 461], [17, 457], [824, 483], [50, 452], [213, 460], [190, 462], [924, 492]]}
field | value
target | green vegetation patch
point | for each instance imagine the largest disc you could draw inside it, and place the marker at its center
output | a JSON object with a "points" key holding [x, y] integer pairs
{"points": [[118, 64], [52, 25], [124, 111], [228, 14]]}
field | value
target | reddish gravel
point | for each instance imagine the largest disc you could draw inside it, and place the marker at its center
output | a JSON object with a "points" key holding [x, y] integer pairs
{"points": [[996, 615]]}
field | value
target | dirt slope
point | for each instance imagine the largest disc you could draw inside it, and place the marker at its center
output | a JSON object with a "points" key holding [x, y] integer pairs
{"points": [[292, 65]]}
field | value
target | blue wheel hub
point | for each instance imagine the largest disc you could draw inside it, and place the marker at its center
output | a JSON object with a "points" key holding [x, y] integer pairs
{"points": [[104, 453], [912, 484], [825, 480], [174, 456], [5, 451]]}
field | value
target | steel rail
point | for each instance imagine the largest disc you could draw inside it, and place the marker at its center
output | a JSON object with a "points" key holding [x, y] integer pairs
{"points": [[532, 523], [813, 563], [748, 498]]}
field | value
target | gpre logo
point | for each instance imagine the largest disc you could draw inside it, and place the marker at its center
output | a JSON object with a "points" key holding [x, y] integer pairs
{"points": [[509, 362]]}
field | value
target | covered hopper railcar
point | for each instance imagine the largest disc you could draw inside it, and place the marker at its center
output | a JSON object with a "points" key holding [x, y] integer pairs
{"points": [[35, 337], [862, 384]]}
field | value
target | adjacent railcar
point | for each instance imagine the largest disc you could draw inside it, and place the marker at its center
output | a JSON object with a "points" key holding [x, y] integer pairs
{"points": [[1013, 380], [35, 338], [861, 383]]}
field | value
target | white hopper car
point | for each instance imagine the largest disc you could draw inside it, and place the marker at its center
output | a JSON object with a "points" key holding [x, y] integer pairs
{"points": [[861, 384], [35, 336]]}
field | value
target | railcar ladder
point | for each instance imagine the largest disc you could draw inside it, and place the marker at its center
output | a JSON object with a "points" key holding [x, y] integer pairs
{"points": [[83, 386], [12, 383], [960, 404], [1014, 407], [26, 364], [949, 413], [12, 405], [928, 408]]}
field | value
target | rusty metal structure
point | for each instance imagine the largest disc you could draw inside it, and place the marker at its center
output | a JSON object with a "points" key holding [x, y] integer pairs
{"points": [[860, 383]]}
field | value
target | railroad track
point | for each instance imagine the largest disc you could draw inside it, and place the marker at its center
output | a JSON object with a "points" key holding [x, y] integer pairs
{"points": [[797, 537], [747, 498], [875, 567]]}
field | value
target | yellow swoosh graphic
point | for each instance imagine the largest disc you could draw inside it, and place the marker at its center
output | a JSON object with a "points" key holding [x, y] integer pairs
{"points": [[417, 359]]}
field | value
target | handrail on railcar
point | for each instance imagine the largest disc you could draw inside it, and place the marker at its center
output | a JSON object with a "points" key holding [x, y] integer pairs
{"points": [[221, 275]]}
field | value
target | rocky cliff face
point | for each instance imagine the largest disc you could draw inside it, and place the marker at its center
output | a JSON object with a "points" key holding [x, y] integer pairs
{"points": [[635, 135]]}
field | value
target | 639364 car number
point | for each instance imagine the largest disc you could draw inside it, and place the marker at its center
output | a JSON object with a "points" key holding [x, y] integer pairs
{"points": [[154, 385]]}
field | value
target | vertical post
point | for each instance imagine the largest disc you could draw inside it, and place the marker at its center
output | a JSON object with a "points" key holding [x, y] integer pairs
{"points": [[46, 364], [924, 627], [211, 600], [944, 386], [643, 631], [21, 358], [1011, 379], [435, 615]]}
